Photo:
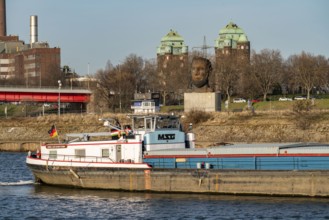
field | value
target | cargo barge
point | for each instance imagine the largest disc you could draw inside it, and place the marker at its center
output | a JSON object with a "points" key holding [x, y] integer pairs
{"points": [[155, 154]]}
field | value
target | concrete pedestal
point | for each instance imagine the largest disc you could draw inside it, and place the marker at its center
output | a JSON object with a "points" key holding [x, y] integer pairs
{"points": [[206, 101]]}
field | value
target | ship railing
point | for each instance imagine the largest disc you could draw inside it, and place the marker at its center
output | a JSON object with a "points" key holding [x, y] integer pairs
{"points": [[77, 158]]}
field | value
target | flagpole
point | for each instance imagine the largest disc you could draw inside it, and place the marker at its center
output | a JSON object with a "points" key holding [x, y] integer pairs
{"points": [[57, 134]]}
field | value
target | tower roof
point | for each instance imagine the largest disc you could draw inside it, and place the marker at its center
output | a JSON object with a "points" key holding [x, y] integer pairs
{"points": [[172, 43], [231, 28], [243, 38], [172, 36], [230, 36]]}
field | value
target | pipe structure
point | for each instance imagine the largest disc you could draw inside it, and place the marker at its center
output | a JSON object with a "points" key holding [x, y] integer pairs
{"points": [[3, 28], [33, 29]]}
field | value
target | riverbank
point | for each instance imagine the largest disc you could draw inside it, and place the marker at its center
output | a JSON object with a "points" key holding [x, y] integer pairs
{"points": [[24, 134]]}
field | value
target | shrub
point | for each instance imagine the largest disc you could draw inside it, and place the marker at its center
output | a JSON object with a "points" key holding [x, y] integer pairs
{"points": [[300, 106], [197, 116], [303, 123]]}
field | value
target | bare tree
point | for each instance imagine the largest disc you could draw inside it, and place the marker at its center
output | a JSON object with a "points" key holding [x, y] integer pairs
{"points": [[287, 80], [246, 85], [266, 67], [228, 75], [308, 69], [322, 71], [173, 79], [152, 82], [126, 90], [134, 65], [104, 89], [117, 84]]}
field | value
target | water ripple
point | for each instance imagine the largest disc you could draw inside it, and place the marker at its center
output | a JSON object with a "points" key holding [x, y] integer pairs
{"points": [[22, 199], [19, 183]]}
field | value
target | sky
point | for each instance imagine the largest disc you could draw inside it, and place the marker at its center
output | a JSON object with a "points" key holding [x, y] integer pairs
{"points": [[92, 32]]}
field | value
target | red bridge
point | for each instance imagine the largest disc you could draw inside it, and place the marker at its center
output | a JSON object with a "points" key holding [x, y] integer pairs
{"points": [[11, 94]]}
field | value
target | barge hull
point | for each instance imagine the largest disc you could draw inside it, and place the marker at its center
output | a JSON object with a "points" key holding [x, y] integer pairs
{"points": [[239, 182]]}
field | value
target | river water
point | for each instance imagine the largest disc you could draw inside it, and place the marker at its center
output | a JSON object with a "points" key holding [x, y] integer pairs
{"points": [[21, 198]]}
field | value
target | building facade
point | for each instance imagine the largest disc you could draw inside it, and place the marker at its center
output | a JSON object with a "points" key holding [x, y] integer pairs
{"points": [[34, 64], [172, 66], [31, 66], [172, 49], [232, 41]]}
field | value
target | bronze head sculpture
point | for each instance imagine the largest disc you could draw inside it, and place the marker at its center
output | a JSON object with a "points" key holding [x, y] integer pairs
{"points": [[200, 71]]}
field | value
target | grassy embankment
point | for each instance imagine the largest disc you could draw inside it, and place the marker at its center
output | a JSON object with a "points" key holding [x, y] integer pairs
{"points": [[26, 110], [272, 122], [319, 104]]}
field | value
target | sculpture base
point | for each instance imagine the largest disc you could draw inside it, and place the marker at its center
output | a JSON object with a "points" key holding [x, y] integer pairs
{"points": [[205, 101]]}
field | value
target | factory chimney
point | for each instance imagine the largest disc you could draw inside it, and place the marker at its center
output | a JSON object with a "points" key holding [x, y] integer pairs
{"points": [[3, 29], [33, 29]]}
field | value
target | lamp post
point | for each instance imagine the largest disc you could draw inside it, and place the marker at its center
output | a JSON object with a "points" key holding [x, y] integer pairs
{"points": [[59, 97], [120, 89], [40, 79]]}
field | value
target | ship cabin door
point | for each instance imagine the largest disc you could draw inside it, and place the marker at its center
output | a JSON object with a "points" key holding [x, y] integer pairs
{"points": [[118, 152], [115, 153]]}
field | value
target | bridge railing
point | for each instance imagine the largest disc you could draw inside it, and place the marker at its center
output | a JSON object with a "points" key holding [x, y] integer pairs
{"points": [[43, 87], [34, 111]]}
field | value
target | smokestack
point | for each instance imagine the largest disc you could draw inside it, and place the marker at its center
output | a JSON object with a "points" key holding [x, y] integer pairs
{"points": [[3, 29], [33, 29]]}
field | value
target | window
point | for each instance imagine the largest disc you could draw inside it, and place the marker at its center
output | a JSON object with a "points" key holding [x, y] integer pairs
{"points": [[105, 152], [137, 103], [52, 154], [148, 122], [80, 153]]}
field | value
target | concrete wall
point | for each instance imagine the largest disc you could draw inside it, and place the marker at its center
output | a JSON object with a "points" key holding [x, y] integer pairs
{"points": [[287, 183], [19, 146], [207, 101]]}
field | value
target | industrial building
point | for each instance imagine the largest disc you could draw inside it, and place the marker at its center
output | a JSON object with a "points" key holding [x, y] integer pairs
{"points": [[33, 65]]}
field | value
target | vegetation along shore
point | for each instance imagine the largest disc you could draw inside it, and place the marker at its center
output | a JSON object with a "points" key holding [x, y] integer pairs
{"points": [[300, 122]]}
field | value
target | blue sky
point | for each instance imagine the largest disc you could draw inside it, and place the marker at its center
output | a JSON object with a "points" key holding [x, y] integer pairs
{"points": [[100, 30]]}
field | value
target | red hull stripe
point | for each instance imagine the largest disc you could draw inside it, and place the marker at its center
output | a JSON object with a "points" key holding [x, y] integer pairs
{"points": [[76, 161], [92, 144]]}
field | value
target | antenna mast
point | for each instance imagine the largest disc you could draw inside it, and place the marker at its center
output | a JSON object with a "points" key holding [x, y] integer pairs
{"points": [[204, 47]]}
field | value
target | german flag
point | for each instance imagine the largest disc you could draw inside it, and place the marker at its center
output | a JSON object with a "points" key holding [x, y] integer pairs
{"points": [[53, 132]]}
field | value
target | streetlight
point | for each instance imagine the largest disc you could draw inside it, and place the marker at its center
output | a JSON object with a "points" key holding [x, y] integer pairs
{"points": [[59, 97], [120, 88], [40, 79]]}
